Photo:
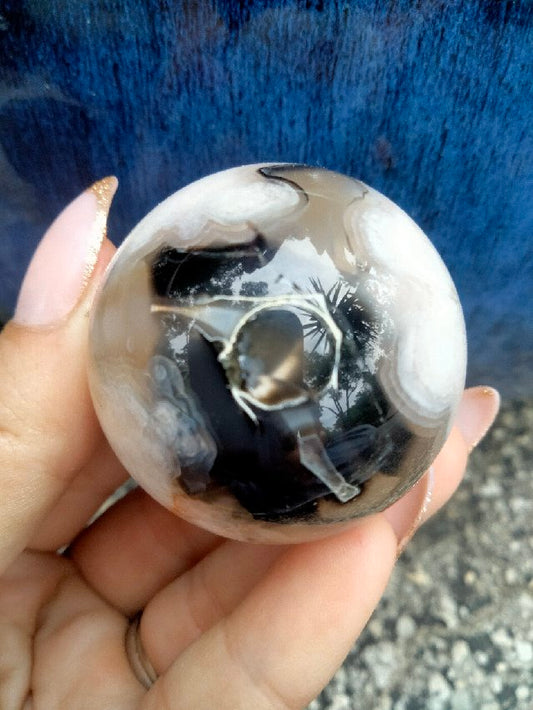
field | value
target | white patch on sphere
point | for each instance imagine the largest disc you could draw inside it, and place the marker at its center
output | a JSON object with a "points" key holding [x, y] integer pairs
{"points": [[414, 288]]}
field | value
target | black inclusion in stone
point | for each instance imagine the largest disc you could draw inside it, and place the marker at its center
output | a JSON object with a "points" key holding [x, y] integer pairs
{"points": [[369, 438], [279, 173], [178, 273], [353, 449], [361, 451], [258, 462], [399, 440]]}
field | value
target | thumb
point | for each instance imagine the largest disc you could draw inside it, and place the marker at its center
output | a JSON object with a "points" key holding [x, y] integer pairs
{"points": [[47, 424]]}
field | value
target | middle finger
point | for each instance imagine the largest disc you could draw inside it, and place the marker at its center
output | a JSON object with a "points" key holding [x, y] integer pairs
{"points": [[135, 549]]}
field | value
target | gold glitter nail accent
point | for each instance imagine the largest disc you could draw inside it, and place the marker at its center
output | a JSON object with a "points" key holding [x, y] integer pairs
{"points": [[491, 393], [104, 191]]}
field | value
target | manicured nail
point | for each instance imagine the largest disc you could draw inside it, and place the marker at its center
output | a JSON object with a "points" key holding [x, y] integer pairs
{"points": [[404, 536], [477, 412], [64, 261], [407, 514]]}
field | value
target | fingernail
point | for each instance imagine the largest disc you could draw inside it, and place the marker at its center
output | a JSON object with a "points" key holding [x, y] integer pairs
{"points": [[407, 514], [476, 414], [404, 536], [64, 261]]}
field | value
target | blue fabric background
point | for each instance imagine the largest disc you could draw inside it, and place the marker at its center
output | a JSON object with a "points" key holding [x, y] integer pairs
{"points": [[429, 101]]}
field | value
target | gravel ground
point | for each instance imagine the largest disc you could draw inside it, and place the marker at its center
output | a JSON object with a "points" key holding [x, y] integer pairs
{"points": [[455, 628]]}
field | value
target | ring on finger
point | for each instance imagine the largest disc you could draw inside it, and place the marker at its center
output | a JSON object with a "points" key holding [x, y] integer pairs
{"points": [[139, 661]]}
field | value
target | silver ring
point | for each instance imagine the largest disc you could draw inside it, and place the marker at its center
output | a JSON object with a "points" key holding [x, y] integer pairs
{"points": [[139, 661]]}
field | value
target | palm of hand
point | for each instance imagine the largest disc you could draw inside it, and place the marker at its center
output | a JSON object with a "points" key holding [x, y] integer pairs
{"points": [[215, 612]]}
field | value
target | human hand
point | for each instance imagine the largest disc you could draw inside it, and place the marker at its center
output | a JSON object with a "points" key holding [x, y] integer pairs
{"points": [[224, 624]]}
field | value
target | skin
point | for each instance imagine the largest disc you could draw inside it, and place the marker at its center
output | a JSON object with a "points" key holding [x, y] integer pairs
{"points": [[225, 624]]}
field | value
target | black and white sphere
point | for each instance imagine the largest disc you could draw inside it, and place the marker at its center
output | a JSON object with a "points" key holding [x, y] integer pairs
{"points": [[276, 351]]}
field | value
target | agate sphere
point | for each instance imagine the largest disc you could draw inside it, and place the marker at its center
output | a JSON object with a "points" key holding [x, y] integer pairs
{"points": [[276, 351]]}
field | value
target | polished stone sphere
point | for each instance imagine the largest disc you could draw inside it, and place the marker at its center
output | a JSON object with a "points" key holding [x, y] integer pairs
{"points": [[276, 351]]}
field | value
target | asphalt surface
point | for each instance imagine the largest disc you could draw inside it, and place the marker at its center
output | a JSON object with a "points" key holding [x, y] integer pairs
{"points": [[454, 630]]}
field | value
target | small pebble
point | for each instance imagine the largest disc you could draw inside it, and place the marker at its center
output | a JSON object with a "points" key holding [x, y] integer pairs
{"points": [[405, 626], [524, 651], [470, 577], [522, 692]]}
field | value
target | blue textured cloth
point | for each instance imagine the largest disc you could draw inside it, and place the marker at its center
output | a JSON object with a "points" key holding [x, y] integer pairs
{"points": [[429, 102]]}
